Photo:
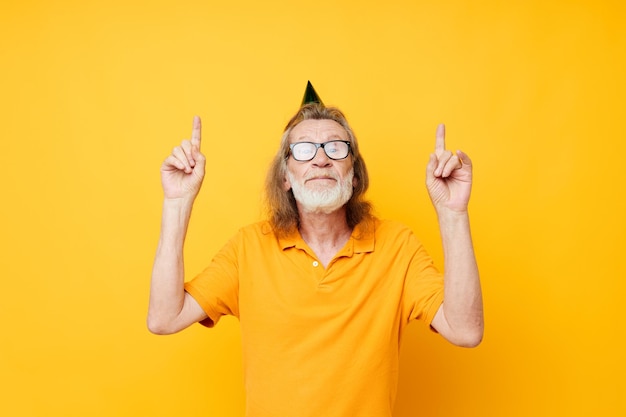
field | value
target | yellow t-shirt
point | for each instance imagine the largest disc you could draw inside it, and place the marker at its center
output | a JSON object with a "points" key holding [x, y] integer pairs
{"points": [[321, 341]]}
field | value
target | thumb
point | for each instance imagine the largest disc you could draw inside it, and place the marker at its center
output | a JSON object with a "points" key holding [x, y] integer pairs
{"points": [[200, 160], [465, 160]]}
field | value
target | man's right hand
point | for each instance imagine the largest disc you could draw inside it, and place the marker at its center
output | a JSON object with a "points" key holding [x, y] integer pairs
{"points": [[182, 171]]}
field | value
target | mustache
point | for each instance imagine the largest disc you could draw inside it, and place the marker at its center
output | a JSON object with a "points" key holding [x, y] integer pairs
{"points": [[321, 174]]}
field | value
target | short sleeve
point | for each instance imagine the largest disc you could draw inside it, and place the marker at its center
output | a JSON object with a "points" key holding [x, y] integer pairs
{"points": [[423, 289], [216, 288]]}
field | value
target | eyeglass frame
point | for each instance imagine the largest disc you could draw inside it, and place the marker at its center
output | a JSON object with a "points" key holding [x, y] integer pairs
{"points": [[317, 148]]}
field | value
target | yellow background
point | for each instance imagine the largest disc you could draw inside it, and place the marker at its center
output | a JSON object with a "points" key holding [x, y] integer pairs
{"points": [[94, 94]]}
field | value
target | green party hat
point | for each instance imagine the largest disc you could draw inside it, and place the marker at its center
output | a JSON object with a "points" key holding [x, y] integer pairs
{"points": [[310, 96]]}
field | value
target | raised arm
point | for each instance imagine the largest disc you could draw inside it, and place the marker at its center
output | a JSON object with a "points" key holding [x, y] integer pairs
{"points": [[449, 183], [171, 309]]}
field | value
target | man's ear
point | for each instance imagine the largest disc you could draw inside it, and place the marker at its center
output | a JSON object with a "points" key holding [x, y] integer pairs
{"points": [[286, 184], [355, 182]]}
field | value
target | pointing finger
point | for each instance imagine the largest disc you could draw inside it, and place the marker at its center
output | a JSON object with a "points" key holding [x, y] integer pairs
{"points": [[196, 133], [440, 141]]}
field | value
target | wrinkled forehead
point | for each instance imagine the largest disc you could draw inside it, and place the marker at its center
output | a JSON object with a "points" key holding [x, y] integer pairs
{"points": [[314, 130]]}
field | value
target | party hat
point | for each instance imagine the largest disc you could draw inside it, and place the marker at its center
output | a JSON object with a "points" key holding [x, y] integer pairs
{"points": [[310, 96]]}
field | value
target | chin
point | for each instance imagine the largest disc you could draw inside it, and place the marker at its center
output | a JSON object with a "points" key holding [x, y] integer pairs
{"points": [[321, 209]]}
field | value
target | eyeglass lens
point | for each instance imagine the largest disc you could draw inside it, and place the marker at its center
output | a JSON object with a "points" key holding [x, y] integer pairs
{"points": [[305, 151]]}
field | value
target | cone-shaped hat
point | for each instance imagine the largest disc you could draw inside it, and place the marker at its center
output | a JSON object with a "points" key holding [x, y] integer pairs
{"points": [[310, 96]]}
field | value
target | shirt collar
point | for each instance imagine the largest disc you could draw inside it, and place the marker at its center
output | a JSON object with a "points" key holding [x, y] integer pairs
{"points": [[361, 240]]}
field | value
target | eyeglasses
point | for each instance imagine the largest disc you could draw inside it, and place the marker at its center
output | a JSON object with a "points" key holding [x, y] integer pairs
{"points": [[306, 151]]}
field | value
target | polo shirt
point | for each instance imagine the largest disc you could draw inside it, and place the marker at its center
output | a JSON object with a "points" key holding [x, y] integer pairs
{"points": [[320, 341]]}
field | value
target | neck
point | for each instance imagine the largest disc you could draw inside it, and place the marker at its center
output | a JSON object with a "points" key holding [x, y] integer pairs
{"points": [[324, 228], [325, 234]]}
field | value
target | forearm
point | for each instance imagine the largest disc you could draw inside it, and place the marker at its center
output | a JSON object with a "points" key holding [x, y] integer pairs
{"points": [[167, 295], [463, 306]]}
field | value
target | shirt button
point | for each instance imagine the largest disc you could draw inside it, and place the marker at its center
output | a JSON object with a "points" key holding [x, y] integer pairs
{"points": [[315, 263]]}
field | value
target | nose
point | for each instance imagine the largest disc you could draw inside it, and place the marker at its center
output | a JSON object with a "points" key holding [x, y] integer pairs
{"points": [[321, 159]]}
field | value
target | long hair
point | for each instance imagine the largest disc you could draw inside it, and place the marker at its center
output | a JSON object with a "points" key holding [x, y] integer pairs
{"points": [[281, 205]]}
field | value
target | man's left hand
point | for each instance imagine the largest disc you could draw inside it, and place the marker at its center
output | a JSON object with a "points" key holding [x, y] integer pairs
{"points": [[448, 176]]}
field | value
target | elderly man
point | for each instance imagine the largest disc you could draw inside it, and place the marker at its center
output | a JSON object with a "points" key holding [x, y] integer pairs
{"points": [[322, 289]]}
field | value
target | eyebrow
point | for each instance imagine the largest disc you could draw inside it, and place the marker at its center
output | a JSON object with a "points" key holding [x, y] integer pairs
{"points": [[330, 138]]}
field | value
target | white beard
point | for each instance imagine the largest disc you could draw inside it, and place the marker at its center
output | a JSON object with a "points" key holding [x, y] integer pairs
{"points": [[323, 200]]}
